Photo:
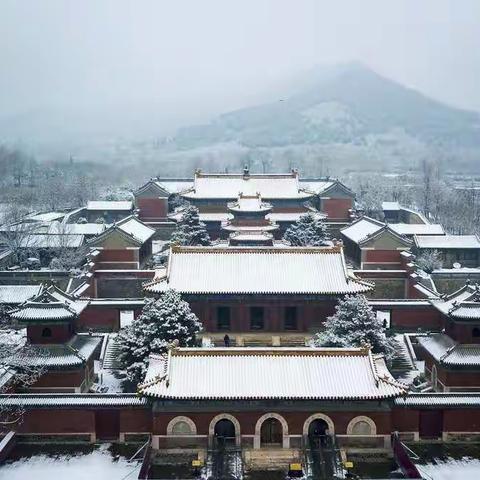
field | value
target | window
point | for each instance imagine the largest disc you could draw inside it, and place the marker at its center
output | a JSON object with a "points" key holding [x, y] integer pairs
{"points": [[476, 332], [182, 428], [290, 318], [362, 428], [126, 318], [223, 318], [385, 317], [46, 332], [256, 318]]}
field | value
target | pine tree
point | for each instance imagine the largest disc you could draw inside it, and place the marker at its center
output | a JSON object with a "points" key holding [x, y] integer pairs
{"points": [[354, 324], [161, 322], [190, 230], [307, 231]]}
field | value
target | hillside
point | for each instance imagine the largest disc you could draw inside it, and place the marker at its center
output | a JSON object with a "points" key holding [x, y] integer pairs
{"points": [[348, 106]]}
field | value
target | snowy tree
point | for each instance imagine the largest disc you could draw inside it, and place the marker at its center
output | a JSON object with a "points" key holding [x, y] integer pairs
{"points": [[429, 261], [161, 322], [354, 324], [308, 231], [190, 230]]}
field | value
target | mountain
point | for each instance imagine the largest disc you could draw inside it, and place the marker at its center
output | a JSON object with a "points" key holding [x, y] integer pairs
{"points": [[347, 106]]}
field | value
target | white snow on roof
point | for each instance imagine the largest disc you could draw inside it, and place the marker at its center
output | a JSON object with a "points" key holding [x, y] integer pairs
{"points": [[390, 206], [268, 270], [45, 217], [77, 228], [174, 186], [266, 373], [361, 229], [106, 205], [136, 229], [52, 241], [447, 241], [228, 186], [16, 294], [417, 228]]}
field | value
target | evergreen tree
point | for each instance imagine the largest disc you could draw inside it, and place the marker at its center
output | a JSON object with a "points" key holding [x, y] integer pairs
{"points": [[161, 322], [307, 231], [429, 261], [190, 230], [355, 324]]}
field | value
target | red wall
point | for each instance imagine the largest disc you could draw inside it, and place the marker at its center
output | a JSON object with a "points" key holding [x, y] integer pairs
{"points": [[337, 208], [152, 208], [382, 256], [61, 333], [413, 318], [99, 318], [308, 312]]}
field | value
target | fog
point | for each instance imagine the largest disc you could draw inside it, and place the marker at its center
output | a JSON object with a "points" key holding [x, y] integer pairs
{"points": [[154, 65]]}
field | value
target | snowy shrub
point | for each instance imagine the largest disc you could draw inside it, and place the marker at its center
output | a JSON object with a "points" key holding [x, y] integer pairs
{"points": [[55, 264], [429, 261], [355, 324], [307, 231], [161, 322], [82, 220], [100, 220], [190, 230]]}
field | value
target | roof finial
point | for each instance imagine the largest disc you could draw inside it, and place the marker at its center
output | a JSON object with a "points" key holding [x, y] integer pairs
{"points": [[246, 171]]}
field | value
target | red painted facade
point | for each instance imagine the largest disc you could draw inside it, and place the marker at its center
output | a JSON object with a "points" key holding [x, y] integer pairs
{"points": [[337, 208], [152, 208]]}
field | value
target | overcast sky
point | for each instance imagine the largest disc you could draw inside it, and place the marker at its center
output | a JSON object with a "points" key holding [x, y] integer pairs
{"points": [[60, 53]]}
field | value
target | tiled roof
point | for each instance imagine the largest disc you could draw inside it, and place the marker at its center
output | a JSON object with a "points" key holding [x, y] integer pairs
{"points": [[223, 216], [77, 228], [136, 229], [361, 229], [447, 352], [464, 304], [390, 206], [252, 203], [175, 185], [228, 186], [257, 270], [417, 228], [269, 373], [52, 240], [16, 294], [85, 400], [51, 304], [434, 400], [447, 241], [106, 205]]}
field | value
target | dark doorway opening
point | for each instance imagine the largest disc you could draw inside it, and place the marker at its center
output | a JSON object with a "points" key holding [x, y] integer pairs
{"points": [[224, 431], [271, 432], [317, 432], [431, 424], [107, 424]]}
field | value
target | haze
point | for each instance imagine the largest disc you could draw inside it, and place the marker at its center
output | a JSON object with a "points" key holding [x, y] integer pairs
{"points": [[192, 59]]}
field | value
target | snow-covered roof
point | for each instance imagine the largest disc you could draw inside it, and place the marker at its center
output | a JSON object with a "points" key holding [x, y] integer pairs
{"points": [[17, 294], [269, 373], [417, 228], [361, 229], [390, 206], [77, 228], [260, 270], [464, 304], [447, 241], [106, 205], [52, 240], [135, 228], [45, 217], [51, 304], [174, 185], [447, 352], [84, 400], [436, 399], [228, 186], [246, 203]]}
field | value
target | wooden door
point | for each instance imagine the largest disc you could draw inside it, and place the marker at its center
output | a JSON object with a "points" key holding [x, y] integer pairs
{"points": [[431, 423], [107, 424], [271, 432]]}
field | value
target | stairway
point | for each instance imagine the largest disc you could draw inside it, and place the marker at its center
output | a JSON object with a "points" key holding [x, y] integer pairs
{"points": [[401, 362], [110, 361]]}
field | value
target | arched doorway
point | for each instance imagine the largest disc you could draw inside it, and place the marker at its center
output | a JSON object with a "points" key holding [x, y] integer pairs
{"points": [[271, 432], [224, 431], [317, 431]]}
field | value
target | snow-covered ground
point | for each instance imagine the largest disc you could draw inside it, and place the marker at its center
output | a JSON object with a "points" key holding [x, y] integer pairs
{"points": [[100, 463]]}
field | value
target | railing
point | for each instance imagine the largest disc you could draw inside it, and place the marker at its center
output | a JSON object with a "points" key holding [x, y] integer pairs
{"points": [[322, 458], [408, 468]]}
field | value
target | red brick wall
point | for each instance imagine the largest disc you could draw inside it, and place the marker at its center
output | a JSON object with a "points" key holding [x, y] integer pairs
{"points": [[295, 421], [336, 208], [136, 420], [99, 318], [58, 421], [60, 333], [462, 332], [308, 312], [428, 318], [61, 379], [152, 208], [123, 255], [383, 256]]}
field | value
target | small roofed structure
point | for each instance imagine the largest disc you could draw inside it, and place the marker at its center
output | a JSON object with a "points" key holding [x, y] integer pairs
{"points": [[372, 244], [452, 358], [249, 225], [109, 211], [67, 356], [463, 250], [124, 245]]}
